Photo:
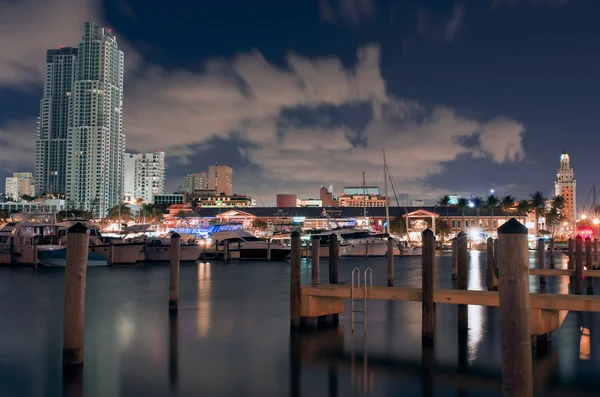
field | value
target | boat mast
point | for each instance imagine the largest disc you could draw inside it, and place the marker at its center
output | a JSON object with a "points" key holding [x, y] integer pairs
{"points": [[385, 191], [365, 199]]}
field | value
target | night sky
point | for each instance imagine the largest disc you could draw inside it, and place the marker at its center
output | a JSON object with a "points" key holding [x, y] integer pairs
{"points": [[299, 93]]}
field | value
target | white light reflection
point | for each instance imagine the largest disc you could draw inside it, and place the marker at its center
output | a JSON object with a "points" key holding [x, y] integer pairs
{"points": [[125, 330], [204, 311], [475, 312]]}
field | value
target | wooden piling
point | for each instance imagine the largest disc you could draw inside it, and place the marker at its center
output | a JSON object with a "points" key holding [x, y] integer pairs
{"points": [[295, 292], [490, 275], [175, 249], [517, 372], [571, 255], [495, 255], [390, 261], [588, 264], [462, 279], [552, 253], [578, 284], [269, 250], [428, 287], [454, 259], [226, 253], [315, 245], [78, 240], [595, 253], [541, 253], [334, 256]]}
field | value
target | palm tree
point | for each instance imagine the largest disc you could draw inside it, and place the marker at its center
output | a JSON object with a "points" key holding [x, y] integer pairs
{"points": [[463, 205], [556, 215], [492, 203], [398, 226], [444, 201], [442, 228], [507, 203], [120, 212], [538, 204], [524, 207]]}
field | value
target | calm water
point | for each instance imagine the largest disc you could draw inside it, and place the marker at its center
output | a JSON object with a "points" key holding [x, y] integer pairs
{"points": [[231, 337]]}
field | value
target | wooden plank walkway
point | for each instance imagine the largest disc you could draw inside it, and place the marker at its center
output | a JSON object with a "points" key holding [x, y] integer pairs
{"points": [[578, 303]]}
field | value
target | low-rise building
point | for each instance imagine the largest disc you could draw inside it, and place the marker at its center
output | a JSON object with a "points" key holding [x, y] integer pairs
{"points": [[168, 199], [20, 184], [226, 201]]}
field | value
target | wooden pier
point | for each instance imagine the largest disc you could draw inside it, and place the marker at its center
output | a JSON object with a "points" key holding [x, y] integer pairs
{"points": [[523, 314]]}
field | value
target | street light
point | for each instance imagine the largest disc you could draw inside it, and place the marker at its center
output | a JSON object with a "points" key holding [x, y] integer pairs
{"points": [[596, 221], [583, 216]]}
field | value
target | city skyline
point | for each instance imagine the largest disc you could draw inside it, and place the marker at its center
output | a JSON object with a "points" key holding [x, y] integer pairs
{"points": [[290, 114]]}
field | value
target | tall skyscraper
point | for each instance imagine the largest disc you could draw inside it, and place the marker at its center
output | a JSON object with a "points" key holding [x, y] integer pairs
{"points": [[96, 138], [144, 176], [220, 179], [565, 186], [53, 124], [194, 182]]}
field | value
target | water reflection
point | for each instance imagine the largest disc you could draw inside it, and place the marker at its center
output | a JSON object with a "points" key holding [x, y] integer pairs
{"points": [[173, 350], [204, 299], [475, 312]]}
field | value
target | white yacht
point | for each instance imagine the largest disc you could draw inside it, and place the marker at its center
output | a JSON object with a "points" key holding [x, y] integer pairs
{"points": [[249, 246], [159, 250], [356, 242]]}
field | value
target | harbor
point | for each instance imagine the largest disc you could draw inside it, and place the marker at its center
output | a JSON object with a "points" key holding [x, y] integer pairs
{"points": [[234, 318]]}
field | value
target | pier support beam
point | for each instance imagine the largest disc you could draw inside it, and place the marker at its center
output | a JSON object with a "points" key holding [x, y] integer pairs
{"points": [[571, 255], [490, 276], [578, 265], [541, 253], [315, 246], [454, 259], [428, 287], [174, 272], [595, 253], [390, 261], [78, 240], [295, 292], [588, 264], [334, 256], [517, 367], [552, 253], [462, 281]]}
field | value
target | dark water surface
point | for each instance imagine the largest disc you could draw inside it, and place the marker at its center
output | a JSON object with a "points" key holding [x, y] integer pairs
{"points": [[231, 337]]}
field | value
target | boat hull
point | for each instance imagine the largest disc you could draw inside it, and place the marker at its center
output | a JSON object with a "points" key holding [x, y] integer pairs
{"points": [[188, 253], [123, 253], [363, 250], [58, 258]]}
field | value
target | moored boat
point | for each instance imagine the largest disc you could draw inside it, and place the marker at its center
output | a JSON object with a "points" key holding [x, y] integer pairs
{"points": [[159, 250]]}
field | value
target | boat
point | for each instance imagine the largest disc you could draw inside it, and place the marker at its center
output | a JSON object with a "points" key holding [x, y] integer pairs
{"points": [[355, 242], [115, 251], [249, 246], [159, 250]]}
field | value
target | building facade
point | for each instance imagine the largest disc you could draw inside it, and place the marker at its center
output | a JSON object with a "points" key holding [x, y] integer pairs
{"points": [[362, 200], [565, 186], [53, 124], [144, 176], [168, 199], [195, 182], [20, 184], [226, 201], [287, 200], [96, 137], [326, 196], [220, 179]]}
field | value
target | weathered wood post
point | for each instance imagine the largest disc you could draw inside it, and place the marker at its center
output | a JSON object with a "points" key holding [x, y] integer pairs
{"points": [[175, 249], [78, 240], [463, 276], [428, 287], [578, 265], [552, 253], [571, 255], [541, 252], [595, 253], [496, 255], [517, 371], [226, 253], [295, 291], [390, 261], [315, 245], [269, 250], [334, 255], [490, 275], [588, 264], [454, 258]]}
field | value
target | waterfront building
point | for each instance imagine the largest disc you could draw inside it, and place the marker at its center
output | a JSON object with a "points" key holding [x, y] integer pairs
{"points": [[361, 190], [195, 182], [53, 123], [363, 200], [220, 179], [168, 199], [222, 201], [20, 184], [309, 202], [96, 137], [144, 176], [326, 196], [287, 200], [565, 186]]}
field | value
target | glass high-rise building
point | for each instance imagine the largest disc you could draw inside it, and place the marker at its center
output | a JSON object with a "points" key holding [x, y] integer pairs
{"points": [[96, 138], [53, 124]]}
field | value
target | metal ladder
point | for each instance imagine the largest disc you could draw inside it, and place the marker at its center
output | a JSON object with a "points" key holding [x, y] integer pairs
{"points": [[367, 286]]}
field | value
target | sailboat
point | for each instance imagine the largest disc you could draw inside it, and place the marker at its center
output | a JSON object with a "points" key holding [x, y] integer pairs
{"points": [[405, 248]]}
